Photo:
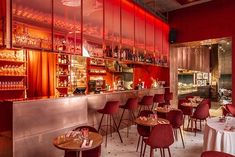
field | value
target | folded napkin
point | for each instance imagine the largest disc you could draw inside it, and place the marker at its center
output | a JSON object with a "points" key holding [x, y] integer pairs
{"points": [[86, 143]]}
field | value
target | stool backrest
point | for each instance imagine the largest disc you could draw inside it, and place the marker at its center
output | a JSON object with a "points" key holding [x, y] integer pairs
{"points": [[175, 117], [112, 107], [132, 103], [158, 98], [202, 111], [147, 100]]}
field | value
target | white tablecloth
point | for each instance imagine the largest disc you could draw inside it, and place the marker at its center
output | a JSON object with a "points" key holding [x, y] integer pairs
{"points": [[218, 139]]}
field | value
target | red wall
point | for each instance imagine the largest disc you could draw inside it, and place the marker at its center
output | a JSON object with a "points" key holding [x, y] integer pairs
{"points": [[214, 19], [145, 72]]}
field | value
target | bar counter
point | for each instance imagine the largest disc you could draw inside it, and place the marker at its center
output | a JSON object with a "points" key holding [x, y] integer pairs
{"points": [[35, 122]]}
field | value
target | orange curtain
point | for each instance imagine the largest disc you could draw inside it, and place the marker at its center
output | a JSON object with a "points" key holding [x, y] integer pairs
{"points": [[41, 74]]}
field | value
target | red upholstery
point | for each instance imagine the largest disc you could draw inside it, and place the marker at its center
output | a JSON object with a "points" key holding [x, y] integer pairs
{"points": [[215, 154], [161, 137], [158, 98], [111, 107], [131, 104], [175, 117], [168, 96], [96, 152], [207, 101], [187, 110], [147, 100], [231, 109], [156, 138], [202, 111]]}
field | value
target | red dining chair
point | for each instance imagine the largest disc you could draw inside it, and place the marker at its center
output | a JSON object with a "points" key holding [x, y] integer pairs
{"points": [[215, 154], [143, 131], [95, 152], [146, 102], [131, 105], [110, 109], [175, 118], [201, 113], [168, 97], [161, 137], [187, 110], [158, 98]]}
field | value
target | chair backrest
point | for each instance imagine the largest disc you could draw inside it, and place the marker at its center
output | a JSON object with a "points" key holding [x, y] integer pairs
{"points": [[207, 101], [159, 98], [215, 154], [161, 136], [112, 107], [175, 118], [231, 109], [168, 96], [132, 103], [147, 100], [181, 101], [144, 130], [202, 111]]}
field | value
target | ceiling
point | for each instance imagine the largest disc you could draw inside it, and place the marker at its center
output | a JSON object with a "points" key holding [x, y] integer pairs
{"points": [[163, 6]]}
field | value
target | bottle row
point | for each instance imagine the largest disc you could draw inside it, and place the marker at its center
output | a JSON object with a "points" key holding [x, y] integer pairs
{"points": [[12, 70], [12, 84]]}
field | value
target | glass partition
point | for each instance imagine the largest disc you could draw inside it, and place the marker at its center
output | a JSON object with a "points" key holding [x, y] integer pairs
{"points": [[67, 27], [93, 28], [32, 24]]}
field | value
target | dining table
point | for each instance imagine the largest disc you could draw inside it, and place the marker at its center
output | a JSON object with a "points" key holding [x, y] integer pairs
{"points": [[76, 144], [151, 122], [219, 135]]}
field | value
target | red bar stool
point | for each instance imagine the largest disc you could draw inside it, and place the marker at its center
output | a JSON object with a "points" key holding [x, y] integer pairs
{"points": [[110, 108], [168, 97], [131, 105], [158, 98], [146, 102], [175, 118], [215, 154]]}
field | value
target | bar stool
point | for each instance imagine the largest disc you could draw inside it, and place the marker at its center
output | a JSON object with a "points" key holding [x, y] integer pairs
{"points": [[158, 98], [168, 97], [131, 105], [146, 102], [110, 108]]}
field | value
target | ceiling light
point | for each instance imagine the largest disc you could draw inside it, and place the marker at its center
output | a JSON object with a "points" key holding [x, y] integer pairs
{"points": [[71, 3]]}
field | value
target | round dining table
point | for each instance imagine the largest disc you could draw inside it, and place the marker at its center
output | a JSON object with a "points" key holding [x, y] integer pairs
{"points": [[219, 135], [151, 122], [75, 144]]}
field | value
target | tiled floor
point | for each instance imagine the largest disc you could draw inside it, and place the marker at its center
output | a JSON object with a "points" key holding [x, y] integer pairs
{"points": [[128, 147], [193, 144]]}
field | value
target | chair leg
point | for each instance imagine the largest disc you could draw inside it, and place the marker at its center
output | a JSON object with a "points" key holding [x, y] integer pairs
{"points": [[110, 126], [117, 129], [144, 149], [182, 137], [169, 152], [161, 152], [200, 124], [195, 127], [138, 144], [183, 120], [141, 148], [189, 120], [107, 128], [140, 109], [121, 118], [100, 122]]}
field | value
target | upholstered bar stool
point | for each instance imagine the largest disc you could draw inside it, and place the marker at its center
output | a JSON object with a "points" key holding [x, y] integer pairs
{"points": [[131, 105], [110, 108], [145, 103], [158, 98]]}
